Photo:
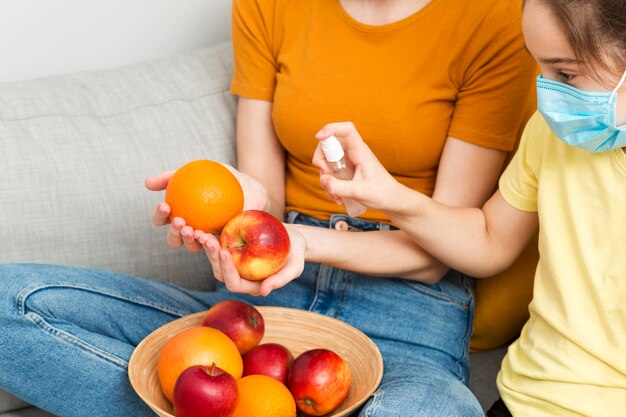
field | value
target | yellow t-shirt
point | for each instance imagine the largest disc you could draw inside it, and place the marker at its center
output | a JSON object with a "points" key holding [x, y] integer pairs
{"points": [[570, 359], [455, 68]]}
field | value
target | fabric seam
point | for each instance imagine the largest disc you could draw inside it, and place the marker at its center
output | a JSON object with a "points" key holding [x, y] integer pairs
{"points": [[129, 110]]}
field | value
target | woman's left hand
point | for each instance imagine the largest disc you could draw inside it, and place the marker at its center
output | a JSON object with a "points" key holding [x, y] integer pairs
{"points": [[224, 268]]}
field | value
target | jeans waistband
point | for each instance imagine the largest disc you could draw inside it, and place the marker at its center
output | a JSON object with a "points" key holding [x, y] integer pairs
{"points": [[339, 222]]}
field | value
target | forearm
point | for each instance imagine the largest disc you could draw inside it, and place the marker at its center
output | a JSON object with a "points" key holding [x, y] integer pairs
{"points": [[259, 153], [378, 253], [478, 242]]}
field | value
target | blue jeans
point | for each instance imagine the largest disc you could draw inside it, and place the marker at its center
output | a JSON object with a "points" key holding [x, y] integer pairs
{"points": [[67, 333]]}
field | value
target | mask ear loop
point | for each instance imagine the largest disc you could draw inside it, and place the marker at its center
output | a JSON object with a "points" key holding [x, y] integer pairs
{"points": [[612, 96]]}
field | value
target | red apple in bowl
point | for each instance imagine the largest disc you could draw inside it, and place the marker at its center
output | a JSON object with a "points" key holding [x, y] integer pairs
{"points": [[205, 391], [271, 359], [258, 242], [240, 321], [319, 380]]}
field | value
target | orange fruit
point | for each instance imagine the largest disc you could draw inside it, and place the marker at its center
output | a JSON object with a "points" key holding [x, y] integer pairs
{"points": [[264, 396], [196, 346], [204, 193]]}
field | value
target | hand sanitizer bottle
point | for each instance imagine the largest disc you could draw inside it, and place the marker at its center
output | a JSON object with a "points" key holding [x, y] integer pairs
{"points": [[343, 170]]}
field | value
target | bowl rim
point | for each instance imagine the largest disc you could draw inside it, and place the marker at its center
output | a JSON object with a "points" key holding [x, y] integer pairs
{"points": [[378, 358]]}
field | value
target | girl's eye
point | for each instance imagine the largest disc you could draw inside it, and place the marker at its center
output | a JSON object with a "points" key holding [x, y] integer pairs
{"points": [[565, 77]]}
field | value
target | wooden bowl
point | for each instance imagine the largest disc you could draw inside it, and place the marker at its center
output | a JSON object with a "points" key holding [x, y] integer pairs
{"points": [[298, 330]]}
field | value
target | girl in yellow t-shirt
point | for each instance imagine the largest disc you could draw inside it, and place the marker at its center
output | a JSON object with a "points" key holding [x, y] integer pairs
{"points": [[568, 178]]}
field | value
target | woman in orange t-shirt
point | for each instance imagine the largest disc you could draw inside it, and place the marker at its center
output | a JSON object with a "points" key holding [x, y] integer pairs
{"points": [[440, 90]]}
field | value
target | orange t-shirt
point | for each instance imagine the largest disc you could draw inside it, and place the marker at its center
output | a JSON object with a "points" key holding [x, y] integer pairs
{"points": [[454, 68]]}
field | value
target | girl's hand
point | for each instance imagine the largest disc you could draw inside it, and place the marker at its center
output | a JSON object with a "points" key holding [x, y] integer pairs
{"points": [[225, 271], [371, 186], [178, 233]]}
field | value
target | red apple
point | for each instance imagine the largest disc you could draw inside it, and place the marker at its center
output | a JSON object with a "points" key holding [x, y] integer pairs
{"points": [[238, 320], [205, 391], [258, 242], [271, 359], [319, 380]]}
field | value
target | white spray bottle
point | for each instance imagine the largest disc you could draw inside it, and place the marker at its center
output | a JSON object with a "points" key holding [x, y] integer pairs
{"points": [[342, 169]]}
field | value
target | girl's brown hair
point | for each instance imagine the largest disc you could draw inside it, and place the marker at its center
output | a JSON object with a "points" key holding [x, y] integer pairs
{"points": [[595, 29]]}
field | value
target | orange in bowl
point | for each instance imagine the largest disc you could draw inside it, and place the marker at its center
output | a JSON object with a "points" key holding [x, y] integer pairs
{"points": [[196, 346], [298, 330], [264, 396], [204, 193]]}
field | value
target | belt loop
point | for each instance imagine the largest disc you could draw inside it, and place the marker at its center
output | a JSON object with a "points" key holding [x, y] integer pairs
{"points": [[292, 216]]}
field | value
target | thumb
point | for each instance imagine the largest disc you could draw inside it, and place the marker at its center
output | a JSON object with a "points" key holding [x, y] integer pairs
{"points": [[158, 182]]}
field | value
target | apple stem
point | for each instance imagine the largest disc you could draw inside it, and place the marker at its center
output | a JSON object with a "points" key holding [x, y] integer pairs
{"points": [[212, 369], [241, 242]]}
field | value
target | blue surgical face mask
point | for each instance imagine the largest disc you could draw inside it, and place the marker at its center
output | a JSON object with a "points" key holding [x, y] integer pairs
{"points": [[580, 118]]}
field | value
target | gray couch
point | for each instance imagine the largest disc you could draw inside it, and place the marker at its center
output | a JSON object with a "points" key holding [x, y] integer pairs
{"points": [[75, 150]]}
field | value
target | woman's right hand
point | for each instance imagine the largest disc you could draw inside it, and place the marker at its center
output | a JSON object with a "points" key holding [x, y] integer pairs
{"points": [[178, 233], [224, 268], [372, 185]]}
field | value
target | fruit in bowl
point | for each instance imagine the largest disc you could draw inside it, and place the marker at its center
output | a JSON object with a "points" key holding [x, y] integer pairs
{"points": [[205, 391], [238, 320], [198, 345], [319, 380], [263, 396], [258, 242], [297, 330], [271, 359]]}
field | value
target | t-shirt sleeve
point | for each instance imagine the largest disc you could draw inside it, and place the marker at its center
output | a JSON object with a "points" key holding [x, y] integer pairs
{"points": [[520, 181], [497, 94], [254, 75]]}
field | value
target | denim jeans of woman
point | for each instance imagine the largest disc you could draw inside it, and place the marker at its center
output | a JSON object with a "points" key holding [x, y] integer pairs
{"points": [[67, 333]]}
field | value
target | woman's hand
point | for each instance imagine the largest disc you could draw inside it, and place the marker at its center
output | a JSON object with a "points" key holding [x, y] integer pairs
{"points": [[372, 185], [178, 233], [225, 271]]}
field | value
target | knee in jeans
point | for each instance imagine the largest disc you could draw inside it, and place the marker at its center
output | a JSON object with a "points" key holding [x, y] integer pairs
{"points": [[420, 393], [18, 282]]}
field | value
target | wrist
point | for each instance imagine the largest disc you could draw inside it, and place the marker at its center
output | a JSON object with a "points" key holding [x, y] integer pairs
{"points": [[406, 203], [312, 251]]}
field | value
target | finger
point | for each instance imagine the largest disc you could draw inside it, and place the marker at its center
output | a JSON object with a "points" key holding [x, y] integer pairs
{"points": [[158, 182], [350, 139], [174, 239], [345, 131], [232, 280], [331, 196], [338, 189], [281, 278], [190, 242], [160, 215], [319, 160], [212, 248]]}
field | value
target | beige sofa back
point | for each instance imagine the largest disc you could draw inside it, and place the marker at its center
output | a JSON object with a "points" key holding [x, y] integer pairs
{"points": [[75, 150]]}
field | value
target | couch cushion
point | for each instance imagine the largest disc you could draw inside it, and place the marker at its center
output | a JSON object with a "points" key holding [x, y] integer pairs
{"points": [[9, 402], [484, 368], [27, 412], [77, 148]]}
